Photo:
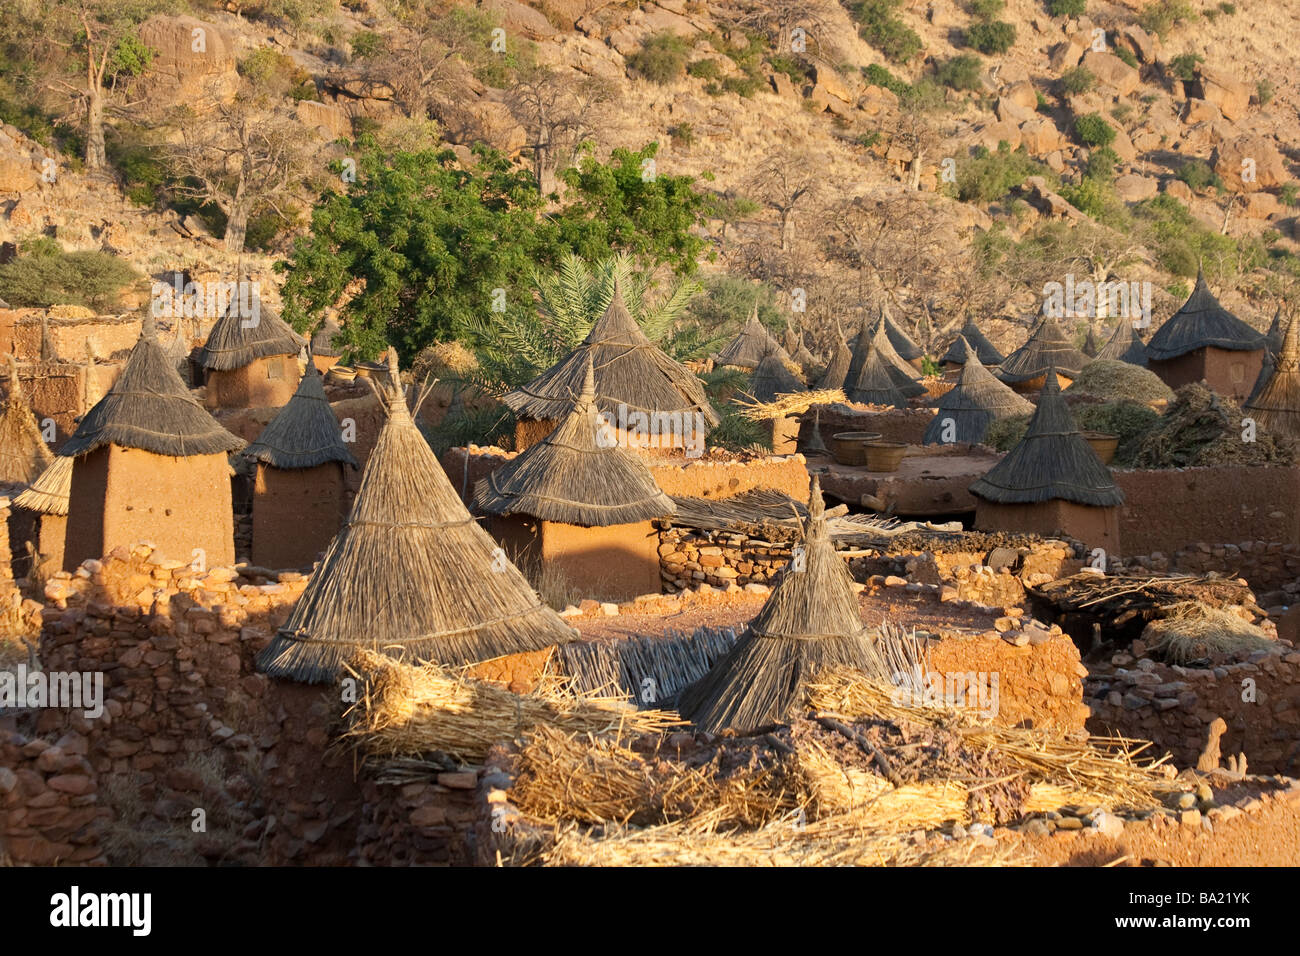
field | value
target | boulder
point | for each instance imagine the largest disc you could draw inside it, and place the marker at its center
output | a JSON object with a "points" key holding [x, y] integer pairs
{"points": [[781, 85], [1123, 146], [1009, 110], [1145, 46], [520, 19], [1111, 71], [1041, 137], [877, 98], [1201, 111], [1262, 206], [326, 118], [1178, 189], [1039, 195], [1065, 55], [17, 174], [194, 62], [832, 83], [994, 133], [1224, 91], [1022, 94], [1133, 188], [1232, 158]]}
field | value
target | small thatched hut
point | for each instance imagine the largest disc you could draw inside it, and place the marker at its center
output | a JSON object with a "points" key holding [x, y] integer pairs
{"points": [[903, 343], [324, 353], [881, 350], [1203, 341], [300, 488], [23, 452], [150, 466], [251, 361], [875, 385], [971, 337], [809, 622], [642, 392], [46, 502], [1090, 347], [966, 410], [750, 345], [1124, 345], [1025, 369], [577, 504], [838, 369], [1052, 482], [410, 574], [1277, 406]]}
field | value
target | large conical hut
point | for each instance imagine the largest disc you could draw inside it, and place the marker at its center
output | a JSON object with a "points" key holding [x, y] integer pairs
{"points": [[880, 349], [804, 358], [969, 407], [1203, 341], [250, 357], [23, 452], [875, 385], [750, 345], [838, 369], [971, 337], [1025, 369], [300, 487], [810, 622], [45, 502], [642, 392], [577, 505], [324, 353], [1277, 406], [903, 343], [151, 466], [1124, 345], [1052, 482], [410, 574]]}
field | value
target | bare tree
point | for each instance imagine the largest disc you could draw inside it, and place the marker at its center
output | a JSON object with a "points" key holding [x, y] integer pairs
{"points": [[784, 182], [556, 110]]}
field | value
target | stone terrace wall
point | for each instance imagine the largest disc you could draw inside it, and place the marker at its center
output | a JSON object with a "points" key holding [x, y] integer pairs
{"points": [[420, 823], [1168, 510], [1271, 568], [49, 802], [1174, 706], [107, 335]]}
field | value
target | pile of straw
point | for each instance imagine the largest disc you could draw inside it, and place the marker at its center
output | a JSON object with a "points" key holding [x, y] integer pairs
{"points": [[795, 403], [1201, 427], [1192, 631], [1112, 379], [23, 452]]}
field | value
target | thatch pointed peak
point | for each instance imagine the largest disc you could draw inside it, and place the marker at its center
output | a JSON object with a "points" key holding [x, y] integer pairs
{"points": [[974, 338], [1202, 323], [773, 378], [322, 340], [903, 343], [303, 434], [23, 452], [1276, 405], [837, 370], [880, 350], [150, 408], [1052, 461], [751, 344], [1124, 345], [50, 492]]}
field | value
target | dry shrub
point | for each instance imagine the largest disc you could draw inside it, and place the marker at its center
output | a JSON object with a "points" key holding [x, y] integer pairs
{"points": [[1192, 631]]}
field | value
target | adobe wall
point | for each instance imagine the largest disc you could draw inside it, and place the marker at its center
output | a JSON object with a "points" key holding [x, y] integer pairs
{"points": [[1174, 706], [296, 513], [1170, 509], [108, 336], [267, 382], [124, 496], [1228, 372], [895, 424], [619, 562], [1094, 527], [529, 431]]}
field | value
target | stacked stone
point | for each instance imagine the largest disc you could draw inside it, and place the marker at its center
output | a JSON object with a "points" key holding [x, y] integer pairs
{"points": [[49, 804], [421, 823], [689, 558], [1271, 567]]}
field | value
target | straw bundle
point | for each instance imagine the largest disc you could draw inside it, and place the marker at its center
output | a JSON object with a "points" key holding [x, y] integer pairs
{"points": [[232, 345], [1124, 346], [23, 453], [1047, 348], [49, 493], [304, 433], [771, 379], [150, 408], [1192, 631], [810, 621], [795, 403], [1052, 462], [409, 711], [972, 337], [880, 806], [972, 404], [1200, 323], [751, 345], [576, 475], [837, 372], [1277, 406], [411, 573]]}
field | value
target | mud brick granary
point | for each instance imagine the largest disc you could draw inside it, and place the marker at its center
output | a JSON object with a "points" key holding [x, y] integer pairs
{"points": [[250, 361]]}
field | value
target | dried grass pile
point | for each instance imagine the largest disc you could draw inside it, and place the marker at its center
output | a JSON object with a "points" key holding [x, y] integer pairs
{"points": [[1202, 427], [1192, 631], [795, 403], [1112, 380], [442, 360]]}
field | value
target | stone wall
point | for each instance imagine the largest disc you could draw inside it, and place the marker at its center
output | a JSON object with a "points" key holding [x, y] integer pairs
{"points": [[422, 822], [108, 336], [49, 802], [1271, 568]]}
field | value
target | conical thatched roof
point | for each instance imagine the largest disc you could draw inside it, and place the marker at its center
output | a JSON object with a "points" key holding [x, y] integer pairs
{"points": [[630, 370], [790, 340], [23, 453], [304, 433], [150, 408], [48, 494], [322, 341], [809, 622], [1124, 345], [804, 358], [178, 351], [410, 574], [576, 475], [772, 378], [972, 337], [1052, 462], [972, 404], [1272, 346], [1200, 323], [1276, 333], [230, 345], [1090, 343], [1277, 406], [1047, 348], [906, 379], [750, 345], [903, 343], [875, 384], [837, 371]]}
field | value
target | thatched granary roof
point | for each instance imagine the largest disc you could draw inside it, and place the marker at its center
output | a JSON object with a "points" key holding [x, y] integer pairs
{"points": [[630, 370], [23, 452], [837, 371], [304, 433], [230, 345], [1272, 346], [804, 358], [1046, 348], [906, 379], [150, 408], [1201, 323], [903, 343], [1124, 345], [410, 574], [972, 404], [875, 384], [1052, 462], [48, 494], [575, 475], [809, 622], [1090, 347], [750, 345], [972, 337], [771, 379], [322, 340], [1277, 406]]}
